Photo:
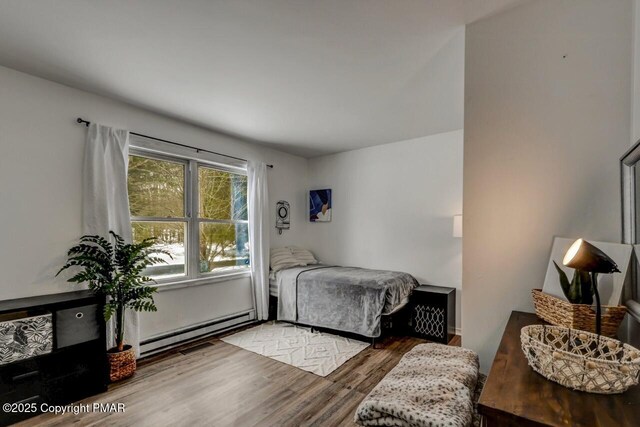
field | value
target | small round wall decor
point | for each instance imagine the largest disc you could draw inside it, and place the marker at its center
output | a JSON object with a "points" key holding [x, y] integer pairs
{"points": [[282, 216]]}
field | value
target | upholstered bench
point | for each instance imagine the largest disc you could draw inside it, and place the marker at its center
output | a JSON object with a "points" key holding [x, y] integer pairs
{"points": [[432, 385]]}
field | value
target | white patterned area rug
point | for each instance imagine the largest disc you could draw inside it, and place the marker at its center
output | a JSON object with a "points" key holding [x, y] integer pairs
{"points": [[316, 352]]}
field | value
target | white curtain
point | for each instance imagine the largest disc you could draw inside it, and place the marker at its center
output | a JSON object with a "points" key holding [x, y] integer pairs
{"points": [[258, 204], [105, 201]]}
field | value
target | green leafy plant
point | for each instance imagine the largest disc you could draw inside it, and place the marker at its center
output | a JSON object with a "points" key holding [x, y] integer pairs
{"points": [[116, 271], [580, 289]]}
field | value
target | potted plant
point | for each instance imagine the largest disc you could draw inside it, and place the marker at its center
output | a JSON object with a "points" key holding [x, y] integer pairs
{"points": [[116, 271], [580, 290], [577, 312]]}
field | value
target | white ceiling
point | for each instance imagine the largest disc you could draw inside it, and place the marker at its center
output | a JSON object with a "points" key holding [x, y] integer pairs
{"points": [[307, 76]]}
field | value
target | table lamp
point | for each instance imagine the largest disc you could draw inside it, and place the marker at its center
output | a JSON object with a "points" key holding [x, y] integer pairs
{"points": [[583, 256]]}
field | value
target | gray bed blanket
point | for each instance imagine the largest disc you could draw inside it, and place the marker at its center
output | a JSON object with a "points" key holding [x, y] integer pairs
{"points": [[346, 299]]}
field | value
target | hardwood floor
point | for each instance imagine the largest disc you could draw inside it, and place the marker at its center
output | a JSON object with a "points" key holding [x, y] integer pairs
{"points": [[217, 384]]}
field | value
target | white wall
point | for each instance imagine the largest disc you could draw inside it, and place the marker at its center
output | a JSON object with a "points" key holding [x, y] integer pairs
{"points": [[392, 208], [41, 149], [543, 135]]}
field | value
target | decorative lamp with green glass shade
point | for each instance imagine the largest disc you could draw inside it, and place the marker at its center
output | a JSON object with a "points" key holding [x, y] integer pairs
{"points": [[584, 256]]}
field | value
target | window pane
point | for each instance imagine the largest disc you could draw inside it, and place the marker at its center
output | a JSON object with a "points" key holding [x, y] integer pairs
{"points": [[223, 247], [171, 238], [156, 187], [223, 195]]}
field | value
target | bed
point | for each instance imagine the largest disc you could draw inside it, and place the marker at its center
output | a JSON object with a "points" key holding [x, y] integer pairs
{"points": [[347, 299]]}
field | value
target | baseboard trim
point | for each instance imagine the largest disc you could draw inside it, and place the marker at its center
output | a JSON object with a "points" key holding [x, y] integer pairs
{"points": [[170, 339]]}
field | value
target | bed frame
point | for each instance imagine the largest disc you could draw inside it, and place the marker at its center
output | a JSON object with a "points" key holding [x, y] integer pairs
{"points": [[391, 324]]}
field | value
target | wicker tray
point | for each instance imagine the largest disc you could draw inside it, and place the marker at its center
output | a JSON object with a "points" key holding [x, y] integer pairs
{"points": [[577, 316], [581, 360]]}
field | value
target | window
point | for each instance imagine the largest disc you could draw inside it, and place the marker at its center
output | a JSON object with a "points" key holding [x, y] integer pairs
{"points": [[165, 191], [222, 220], [157, 202]]}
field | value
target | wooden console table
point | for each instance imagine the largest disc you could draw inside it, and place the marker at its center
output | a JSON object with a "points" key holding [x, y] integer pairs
{"points": [[514, 395]]}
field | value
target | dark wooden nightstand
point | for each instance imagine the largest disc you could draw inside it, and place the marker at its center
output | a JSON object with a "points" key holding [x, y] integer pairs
{"points": [[433, 313]]}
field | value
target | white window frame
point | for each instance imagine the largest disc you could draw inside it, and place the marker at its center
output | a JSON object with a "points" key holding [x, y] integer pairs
{"points": [[192, 219]]}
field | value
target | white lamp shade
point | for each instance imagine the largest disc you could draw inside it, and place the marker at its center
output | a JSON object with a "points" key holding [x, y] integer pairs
{"points": [[457, 226]]}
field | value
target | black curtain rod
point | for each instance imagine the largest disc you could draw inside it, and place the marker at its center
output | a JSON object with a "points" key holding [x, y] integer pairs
{"points": [[87, 123]]}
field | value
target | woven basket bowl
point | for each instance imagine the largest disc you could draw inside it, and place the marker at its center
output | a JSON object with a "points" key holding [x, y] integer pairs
{"points": [[577, 316], [581, 360], [122, 364]]}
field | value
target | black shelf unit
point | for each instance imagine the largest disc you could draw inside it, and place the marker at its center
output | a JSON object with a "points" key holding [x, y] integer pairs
{"points": [[77, 365], [433, 313]]}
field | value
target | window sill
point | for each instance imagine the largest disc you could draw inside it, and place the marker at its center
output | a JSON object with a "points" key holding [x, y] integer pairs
{"points": [[187, 283]]}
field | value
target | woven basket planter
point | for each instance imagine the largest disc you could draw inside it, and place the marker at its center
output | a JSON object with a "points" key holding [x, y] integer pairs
{"points": [[581, 360], [122, 364], [577, 316]]}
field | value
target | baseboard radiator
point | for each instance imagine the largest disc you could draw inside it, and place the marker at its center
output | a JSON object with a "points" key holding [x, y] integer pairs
{"points": [[165, 341]]}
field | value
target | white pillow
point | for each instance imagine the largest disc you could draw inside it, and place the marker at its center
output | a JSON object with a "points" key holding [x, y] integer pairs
{"points": [[303, 255], [282, 258]]}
